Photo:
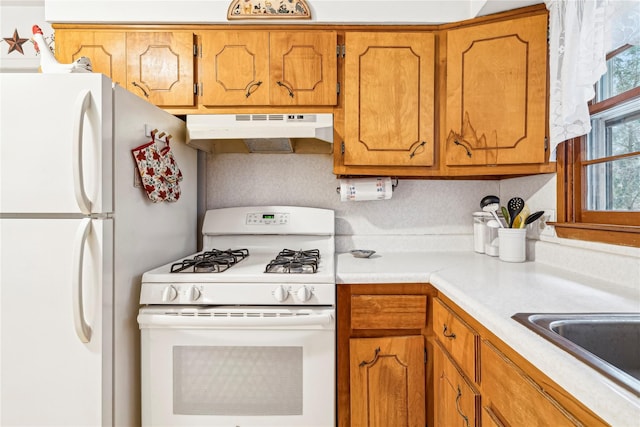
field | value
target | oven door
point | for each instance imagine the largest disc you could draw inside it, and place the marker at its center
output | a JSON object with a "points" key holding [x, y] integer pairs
{"points": [[238, 366]]}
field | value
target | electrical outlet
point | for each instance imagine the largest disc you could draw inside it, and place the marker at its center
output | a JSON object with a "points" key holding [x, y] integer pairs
{"points": [[544, 228]]}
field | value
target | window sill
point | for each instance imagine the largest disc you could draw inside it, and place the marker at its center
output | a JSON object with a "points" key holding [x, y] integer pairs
{"points": [[612, 234]]}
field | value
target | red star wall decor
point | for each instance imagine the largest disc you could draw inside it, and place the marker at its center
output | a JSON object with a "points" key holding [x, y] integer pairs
{"points": [[15, 42]]}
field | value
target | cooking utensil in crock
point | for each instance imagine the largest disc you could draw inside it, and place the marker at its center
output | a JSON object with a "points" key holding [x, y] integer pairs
{"points": [[518, 222], [491, 204], [515, 206], [505, 215], [534, 216]]}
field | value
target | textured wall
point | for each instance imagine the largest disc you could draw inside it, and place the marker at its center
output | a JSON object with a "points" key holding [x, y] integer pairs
{"points": [[422, 207]]}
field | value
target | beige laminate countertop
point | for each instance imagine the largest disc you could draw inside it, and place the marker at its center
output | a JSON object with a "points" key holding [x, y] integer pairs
{"points": [[492, 291]]}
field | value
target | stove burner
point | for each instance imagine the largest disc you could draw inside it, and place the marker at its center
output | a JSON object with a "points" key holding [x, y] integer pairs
{"points": [[289, 261], [213, 261]]}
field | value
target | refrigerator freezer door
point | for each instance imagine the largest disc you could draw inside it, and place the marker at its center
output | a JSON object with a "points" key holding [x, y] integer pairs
{"points": [[56, 143], [49, 375]]}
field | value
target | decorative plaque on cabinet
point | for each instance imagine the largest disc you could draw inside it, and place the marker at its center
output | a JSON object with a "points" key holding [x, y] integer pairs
{"points": [[266, 9]]}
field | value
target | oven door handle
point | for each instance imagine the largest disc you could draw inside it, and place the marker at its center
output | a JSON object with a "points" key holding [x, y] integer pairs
{"points": [[323, 320]]}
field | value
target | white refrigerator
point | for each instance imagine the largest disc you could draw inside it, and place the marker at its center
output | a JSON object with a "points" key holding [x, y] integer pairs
{"points": [[76, 233]]}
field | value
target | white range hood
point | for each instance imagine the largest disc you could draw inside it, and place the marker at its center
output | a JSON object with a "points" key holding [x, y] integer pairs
{"points": [[261, 133]]}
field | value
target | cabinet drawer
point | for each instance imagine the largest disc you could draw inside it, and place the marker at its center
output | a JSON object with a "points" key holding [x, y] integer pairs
{"points": [[457, 337], [388, 311]]}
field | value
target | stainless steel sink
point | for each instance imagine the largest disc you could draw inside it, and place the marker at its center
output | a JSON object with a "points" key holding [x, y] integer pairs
{"points": [[608, 342]]}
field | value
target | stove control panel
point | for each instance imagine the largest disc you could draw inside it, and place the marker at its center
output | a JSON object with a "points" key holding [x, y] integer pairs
{"points": [[267, 218], [237, 294]]}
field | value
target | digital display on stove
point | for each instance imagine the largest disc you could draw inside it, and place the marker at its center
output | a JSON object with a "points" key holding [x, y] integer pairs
{"points": [[267, 218]]}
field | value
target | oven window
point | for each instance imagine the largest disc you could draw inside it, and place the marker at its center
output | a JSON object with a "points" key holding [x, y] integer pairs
{"points": [[237, 380]]}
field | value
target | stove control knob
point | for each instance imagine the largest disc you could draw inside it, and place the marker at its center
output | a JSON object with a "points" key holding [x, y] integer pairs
{"points": [[304, 294], [194, 293], [169, 294], [281, 293]]}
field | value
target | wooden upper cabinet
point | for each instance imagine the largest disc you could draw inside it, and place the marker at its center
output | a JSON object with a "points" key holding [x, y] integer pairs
{"points": [[303, 68], [160, 67], [105, 49], [246, 68], [235, 68], [389, 99], [496, 91]]}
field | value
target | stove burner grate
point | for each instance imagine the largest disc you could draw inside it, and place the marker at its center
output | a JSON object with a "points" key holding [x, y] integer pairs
{"points": [[290, 261], [213, 261]]}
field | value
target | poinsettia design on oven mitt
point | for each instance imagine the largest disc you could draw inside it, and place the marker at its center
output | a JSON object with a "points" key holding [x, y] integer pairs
{"points": [[159, 172]]}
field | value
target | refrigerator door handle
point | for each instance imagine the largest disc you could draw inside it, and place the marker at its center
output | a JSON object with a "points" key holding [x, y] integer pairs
{"points": [[83, 102], [83, 329]]}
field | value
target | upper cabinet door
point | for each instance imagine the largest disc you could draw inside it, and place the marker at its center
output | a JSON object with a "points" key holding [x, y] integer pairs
{"points": [[303, 68], [235, 68], [496, 93], [389, 99], [105, 49], [160, 67]]}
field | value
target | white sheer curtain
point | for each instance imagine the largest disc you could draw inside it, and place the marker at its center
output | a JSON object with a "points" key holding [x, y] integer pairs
{"points": [[581, 32]]}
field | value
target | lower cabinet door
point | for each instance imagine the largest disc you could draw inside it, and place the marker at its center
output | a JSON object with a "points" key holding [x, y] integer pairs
{"points": [[514, 397], [456, 402], [387, 381]]}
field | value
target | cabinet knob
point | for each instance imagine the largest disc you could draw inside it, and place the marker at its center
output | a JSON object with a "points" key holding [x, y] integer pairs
{"points": [[286, 87], [252, 88], [450, 335], [146, 95]]}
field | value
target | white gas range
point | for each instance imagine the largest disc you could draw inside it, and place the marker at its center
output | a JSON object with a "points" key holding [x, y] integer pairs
{"points": [[243, 333]]}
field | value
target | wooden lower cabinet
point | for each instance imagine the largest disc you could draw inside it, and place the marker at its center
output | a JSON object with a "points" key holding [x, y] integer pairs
{"points": [[382, 368], [387, 381], [408, 356], [457, 402], [507, 391], [514, 398]]}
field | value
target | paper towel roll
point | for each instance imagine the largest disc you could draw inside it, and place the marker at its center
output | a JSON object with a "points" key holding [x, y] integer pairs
{"points": [[358, 189]]}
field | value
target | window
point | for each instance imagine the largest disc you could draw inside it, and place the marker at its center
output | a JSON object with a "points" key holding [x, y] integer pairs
{"points": [[599, 174]]}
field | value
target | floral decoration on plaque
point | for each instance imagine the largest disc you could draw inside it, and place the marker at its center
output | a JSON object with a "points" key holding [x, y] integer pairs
{"points": [[260, 9]]}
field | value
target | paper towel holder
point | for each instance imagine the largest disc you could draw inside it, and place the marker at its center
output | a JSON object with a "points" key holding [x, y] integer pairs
{"points": [[394, 184]]}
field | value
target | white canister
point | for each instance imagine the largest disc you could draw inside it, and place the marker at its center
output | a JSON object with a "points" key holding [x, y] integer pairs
{"points": [[512, 244], [481, 233]]}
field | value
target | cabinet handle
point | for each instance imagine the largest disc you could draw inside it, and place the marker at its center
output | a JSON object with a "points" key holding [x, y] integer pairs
{"points": [[464, 417], [286, 87], [372, 361], [252, 88], [455, 141], [447, 335], [146, 95], [415, 150]]}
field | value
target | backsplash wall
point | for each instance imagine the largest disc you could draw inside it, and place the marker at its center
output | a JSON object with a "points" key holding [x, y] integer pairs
{"points": [[425, 213]]}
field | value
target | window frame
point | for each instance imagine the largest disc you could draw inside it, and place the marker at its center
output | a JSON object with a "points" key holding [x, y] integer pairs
{"points": [[574, 221]]}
